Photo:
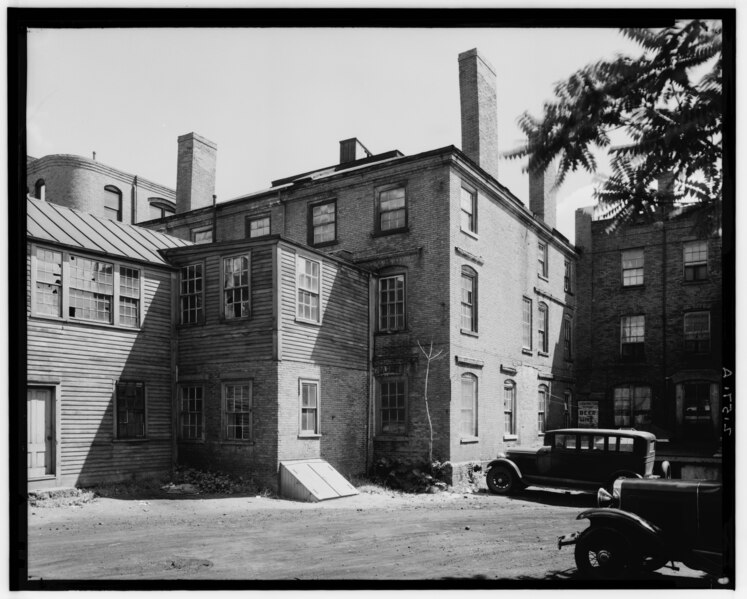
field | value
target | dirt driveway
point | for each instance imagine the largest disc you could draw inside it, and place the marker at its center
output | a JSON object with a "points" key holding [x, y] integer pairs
{"points": [[364, 537]]}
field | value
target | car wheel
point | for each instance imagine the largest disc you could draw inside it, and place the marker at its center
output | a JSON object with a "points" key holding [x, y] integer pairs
{"points": [[602, 554], [501, 480]]}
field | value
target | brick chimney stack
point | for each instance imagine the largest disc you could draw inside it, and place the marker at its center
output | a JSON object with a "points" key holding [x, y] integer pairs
{"points": [[477, 91], [195, 172], [542, 196], [352, 149]]}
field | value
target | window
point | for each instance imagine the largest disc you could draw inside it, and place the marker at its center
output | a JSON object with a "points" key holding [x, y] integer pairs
{"points": [[160, 208], [632, 406], [48, 289], [632, 334], [257, 226], [323, 223], [192, 414], [112, 203], [202, 234], [468, 413], [469, 299], [526, 324], [632, 267], [697, 401], [237, 411], [308, 290], [236, 273], [130, 400], [509, 408], [129, 297], [568, 337], [469, 210], [698, 332], [91, 289], [309, 407], [542, 259], [392, 303], [542, 394], [565, 441], [392, 408], [696, 260], [391, 210], [190, 294], [568, 278], [40, 190], [542, 327], [625, 444]]}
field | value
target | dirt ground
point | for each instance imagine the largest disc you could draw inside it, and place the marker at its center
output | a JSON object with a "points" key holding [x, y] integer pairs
{"points": [[371, 536]]}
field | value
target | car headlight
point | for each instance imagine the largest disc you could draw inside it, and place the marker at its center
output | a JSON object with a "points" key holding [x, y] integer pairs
{"points": [[607, 499]]}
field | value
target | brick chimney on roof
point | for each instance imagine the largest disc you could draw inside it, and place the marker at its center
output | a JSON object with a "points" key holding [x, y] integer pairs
{"points": [[542, 196], [477, 92], [195, 172], [352, 149]]}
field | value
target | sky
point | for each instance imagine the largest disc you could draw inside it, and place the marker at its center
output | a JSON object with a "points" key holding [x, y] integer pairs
{"points": [[278, 101]]}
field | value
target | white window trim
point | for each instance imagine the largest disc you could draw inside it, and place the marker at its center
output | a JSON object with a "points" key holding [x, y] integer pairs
{"points": [[222, 297], [475, 405], [65, 290], [297, 287], [304, 434]]}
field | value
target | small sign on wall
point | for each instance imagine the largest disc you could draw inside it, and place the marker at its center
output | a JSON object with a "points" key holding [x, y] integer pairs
{"points": [[588, 414]]}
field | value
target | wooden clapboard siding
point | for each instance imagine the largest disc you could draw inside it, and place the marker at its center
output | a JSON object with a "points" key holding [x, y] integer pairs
{"points": [[342, 337], [85, 360]]}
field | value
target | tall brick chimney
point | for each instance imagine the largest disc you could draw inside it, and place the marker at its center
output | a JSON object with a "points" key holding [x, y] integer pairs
{"points": [[542, 196], [477, 92], [195, 172]]}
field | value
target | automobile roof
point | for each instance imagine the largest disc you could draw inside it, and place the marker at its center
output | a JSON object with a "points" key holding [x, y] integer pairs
{"points": [[606, 431]]}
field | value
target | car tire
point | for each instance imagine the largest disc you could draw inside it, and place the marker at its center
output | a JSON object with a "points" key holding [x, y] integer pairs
{"points": [[502, 480], [603, 554]]}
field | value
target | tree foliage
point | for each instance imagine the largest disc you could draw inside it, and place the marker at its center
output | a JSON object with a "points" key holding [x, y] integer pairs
{"points": [[666, 105]]}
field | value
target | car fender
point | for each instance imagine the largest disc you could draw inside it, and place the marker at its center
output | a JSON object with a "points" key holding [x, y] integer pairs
{"points": [[508, 463], [627, 523]]}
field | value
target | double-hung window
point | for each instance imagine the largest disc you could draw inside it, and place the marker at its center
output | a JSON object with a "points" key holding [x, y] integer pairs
{"points": [[542, 268], [236, 287], [632, 406], [77, 288], [632, 267], [698, 332], [323, 223], [257, 226], [632, 337], [469, 299], [468, 203], [308, 285], [468, 415], [392, 406], [542, 396], [130, 410], [191, 287], [568, 277], [391, 209], [112, 203], [309, 396], [192, 412], [695, 258], [542, 327], [568, 338], [509, 408], [237, 411], [526, 324], [392, 303]]}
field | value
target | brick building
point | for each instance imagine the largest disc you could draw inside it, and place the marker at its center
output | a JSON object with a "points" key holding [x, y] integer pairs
{"points": [[649, 332]]}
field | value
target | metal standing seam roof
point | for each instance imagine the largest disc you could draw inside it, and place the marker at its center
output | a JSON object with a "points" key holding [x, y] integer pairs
{"points": [[49, 222]]}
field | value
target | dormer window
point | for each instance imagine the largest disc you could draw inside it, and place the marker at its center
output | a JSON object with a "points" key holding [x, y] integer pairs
{"points": [[112, 203]]}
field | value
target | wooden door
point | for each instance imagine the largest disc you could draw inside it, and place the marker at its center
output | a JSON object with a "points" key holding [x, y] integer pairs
{"points": [[40, 440]]}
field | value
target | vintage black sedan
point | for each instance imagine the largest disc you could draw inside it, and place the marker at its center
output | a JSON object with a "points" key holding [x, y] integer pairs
{"points": [[576, 458], [644, 524]]}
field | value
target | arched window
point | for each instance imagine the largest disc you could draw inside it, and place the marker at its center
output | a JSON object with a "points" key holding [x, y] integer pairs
{"points": [[112, 203], [469, 299], [542, 394], [160, 207], [542, 327], [40, 190], [509, 408], [468, 414]]}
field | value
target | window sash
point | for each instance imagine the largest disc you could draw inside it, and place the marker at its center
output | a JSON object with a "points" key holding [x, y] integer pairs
{"points": [[697, 401], [236, 287], [237, 411], [632, 267], [48, 288], [324, 222], [633, 329], [468, 303], [568, 277], [509, 409], [542, 395], [568, 337], [467, 204], [542, 258], [468, 411], [309, 407], [392, 407], [259, 227], [202, 235], [695, 259], [192, 412], [632, 406], [112, 203], [392, 209], [131, 417], [308, 289], [697, 332], [190, 292], [392, 303], [91, 289], [526, 324], [542, 327]]}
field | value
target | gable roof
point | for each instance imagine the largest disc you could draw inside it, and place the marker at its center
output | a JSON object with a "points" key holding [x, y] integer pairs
{"points": [[72, 228]]}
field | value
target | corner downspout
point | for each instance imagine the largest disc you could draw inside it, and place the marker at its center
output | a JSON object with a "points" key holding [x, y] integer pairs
{"points": [[133, 199], [370, 420], [174, 370], [215, 219]]}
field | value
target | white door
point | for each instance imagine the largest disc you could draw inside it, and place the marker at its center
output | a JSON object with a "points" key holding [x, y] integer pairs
{"points": [[40, 440]]}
